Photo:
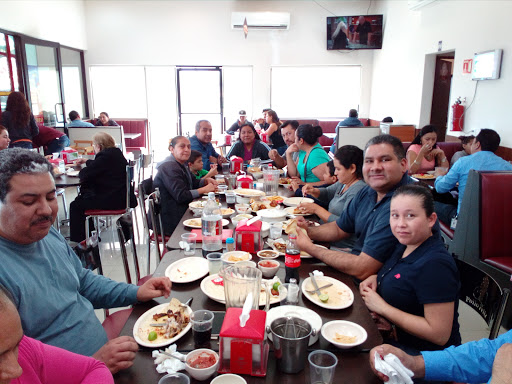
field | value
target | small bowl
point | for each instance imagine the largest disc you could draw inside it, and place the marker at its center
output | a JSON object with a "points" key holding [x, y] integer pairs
{"points": [[226, 212], [272, 215], [345, 328], [228, 378], [431, 172], [242, 256], [246, 263], [201, 373], [268, 272], [243, 208], [238, 218], [242, 199], [270, 252]]}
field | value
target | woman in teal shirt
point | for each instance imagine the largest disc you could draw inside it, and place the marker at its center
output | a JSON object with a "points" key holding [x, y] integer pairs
{"points": [[312, 162]]}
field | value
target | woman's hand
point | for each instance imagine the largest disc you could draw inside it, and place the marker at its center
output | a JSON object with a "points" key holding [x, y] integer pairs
{"points": [[374, 302], [308, 189], [80, 161], [369, 283], [292, 148], [295, 183], [425, 150]]}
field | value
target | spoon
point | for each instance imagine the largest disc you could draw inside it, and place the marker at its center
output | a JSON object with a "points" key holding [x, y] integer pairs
{"points": [[182, 359]]}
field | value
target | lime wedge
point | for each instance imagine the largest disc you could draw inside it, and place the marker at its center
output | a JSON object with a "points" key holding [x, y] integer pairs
{"points": [[152, 336], [324, 297]]}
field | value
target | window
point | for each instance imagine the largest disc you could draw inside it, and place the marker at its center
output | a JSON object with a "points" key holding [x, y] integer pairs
{"points": [[8, 68], [322, 91]]}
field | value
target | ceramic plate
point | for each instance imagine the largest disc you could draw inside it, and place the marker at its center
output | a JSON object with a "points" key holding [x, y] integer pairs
{"points": [[226, 212], [72, 173], [187, 269], [148, 315], [301, 312], [294, 201], [424, 176], [196, 223], [216, 292], [290, 211], [340, 295], [249, 192]]}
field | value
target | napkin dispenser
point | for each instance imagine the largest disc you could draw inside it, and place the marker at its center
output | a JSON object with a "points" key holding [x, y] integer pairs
{"points": [[69, 155], [59, 164], [243, 350], [248, 236], [236, 164], [244, 181]]}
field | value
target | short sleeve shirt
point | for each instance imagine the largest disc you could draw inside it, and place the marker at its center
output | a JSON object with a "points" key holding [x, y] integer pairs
{"points": [[427, 275], [207, 150], [425, 164], [317, 156]]}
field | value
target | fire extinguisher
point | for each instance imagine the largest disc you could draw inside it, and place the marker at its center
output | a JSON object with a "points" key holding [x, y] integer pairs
{"points": [[458, 115]]}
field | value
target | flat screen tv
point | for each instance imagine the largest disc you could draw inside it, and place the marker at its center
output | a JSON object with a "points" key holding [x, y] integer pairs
{"points": [[487, 65], [354, 32]]}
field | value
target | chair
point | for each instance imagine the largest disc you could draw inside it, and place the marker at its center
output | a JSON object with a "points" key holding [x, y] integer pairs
{"points": [[482, 293], [58, 222]]}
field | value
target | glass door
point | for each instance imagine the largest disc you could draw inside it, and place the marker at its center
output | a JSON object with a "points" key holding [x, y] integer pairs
{"points": [[199, 98], [8, 68], [75, 94]]}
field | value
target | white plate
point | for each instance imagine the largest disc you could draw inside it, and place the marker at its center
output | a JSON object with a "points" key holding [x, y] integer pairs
{"points": [[346, 328], [158, 309], [301, 312], [246, 192], [272, 214], [216, 292], [193, 223], [340, 295], [294, 201], [226, 212], [289, 212], [72, 173], [187, 269]]}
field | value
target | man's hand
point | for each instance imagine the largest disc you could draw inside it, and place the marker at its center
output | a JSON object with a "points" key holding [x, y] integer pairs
{"points": [[118, 353], [154, 287], [213, 160], [415, 363], [303, 242], [209, 180], [502, 367], [221, 159], [272, 154], [309, 208]]}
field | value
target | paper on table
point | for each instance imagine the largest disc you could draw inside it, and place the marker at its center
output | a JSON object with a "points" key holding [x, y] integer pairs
{"points": [[166, 363], [392, 367]]}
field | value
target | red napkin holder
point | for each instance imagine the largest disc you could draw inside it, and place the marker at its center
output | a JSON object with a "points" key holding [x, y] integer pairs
{"points": [[244, 181], [225, 234], [69, 155], [236, 164], [59, 164], [243, 350], [248, 237], [227, 139]]}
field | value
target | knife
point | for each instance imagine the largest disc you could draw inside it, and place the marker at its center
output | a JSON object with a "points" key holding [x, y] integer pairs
{"points": [[315, 285], [322, 287]]}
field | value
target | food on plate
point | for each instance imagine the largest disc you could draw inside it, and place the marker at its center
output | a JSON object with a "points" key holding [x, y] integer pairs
{"points": [[237, 258], [292, 228], [253, 169], [173, 321], [226, 211], [266, 253], [202, 360], [278, 199], [280, 246], [274, 203], [323, 298], [339, 338], [213, 287], [194, 222], [336, 295], [285, 180], [258, 205], [424, 176], [298, 210]]}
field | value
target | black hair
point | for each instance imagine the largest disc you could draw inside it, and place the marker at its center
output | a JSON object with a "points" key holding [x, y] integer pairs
{"points": [[175, 140], [73, 115], [416, 190], [489, 140], [423, 131], [387, 119], [398, 148], [310, 134], [352, 113], [198, 124], [466, 139], [16, 161], [248, 124], [105, 113], [330, 164], [194, 155], [273, 115], [348, 155], [266, 110], [293, 123]]}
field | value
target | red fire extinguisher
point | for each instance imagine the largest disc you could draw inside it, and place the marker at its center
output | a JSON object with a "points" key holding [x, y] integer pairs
{"points": [[458, 116]]}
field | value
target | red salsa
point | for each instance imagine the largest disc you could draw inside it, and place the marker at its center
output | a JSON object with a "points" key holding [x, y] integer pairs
{"points": [[203, 360], [267, 264]]}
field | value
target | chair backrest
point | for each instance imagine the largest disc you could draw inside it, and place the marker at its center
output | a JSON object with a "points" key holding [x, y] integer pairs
{"points": [[124, 226], [130, 180], [357, 136], [483, 294]]}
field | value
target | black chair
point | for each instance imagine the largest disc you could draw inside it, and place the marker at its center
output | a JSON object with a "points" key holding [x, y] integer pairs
{"points": [[483, 294]]}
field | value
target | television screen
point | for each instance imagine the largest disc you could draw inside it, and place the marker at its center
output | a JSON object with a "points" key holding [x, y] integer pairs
{"points": [[354, 32], [487, 65]]}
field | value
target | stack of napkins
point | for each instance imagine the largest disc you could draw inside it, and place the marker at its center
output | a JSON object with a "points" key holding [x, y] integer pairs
{"points": [[392, 367], [166, 364]]}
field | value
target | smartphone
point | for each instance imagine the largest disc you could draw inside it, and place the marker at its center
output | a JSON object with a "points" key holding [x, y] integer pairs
{"points": [[218, 319]]}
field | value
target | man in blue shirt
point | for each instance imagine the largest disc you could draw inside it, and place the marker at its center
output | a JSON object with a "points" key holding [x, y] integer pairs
{"points": [[472, 362], [367, 214], [76, 120], [482, 158], [202, 142], [350, 121]]}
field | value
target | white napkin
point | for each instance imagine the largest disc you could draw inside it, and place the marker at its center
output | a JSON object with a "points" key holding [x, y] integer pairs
{"points": [[317, 273], [166, 364], [392, 367]]}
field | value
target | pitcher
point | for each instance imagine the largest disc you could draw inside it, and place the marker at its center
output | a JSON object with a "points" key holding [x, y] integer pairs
{"points": [[238, 282], [271, 181]]}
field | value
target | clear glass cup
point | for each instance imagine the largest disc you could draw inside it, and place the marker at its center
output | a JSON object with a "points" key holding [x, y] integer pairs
{"points": [[202, 321], [276, 229], [238, 282], [225, 168], [271, 182], [188, 243], [174, 378], [322, 365], [222, 188], [214, 262], [230, 197], [220, 179]]}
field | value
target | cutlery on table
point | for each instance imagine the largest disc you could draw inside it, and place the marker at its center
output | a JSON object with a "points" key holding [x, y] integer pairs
{"points": [[182, 359], [319, 288], [315, 285]]}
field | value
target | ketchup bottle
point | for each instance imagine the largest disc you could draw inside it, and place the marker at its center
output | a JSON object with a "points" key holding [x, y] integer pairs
{"points": [[292, 259]]}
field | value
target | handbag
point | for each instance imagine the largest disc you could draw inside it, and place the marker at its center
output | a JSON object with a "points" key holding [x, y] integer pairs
{"points": [[88, 252]]}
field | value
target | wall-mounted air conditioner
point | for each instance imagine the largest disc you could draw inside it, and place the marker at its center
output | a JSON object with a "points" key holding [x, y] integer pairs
{"points": [[414, 5], [260, 20]]}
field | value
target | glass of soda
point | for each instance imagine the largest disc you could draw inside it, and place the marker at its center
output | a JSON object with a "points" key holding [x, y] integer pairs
{"points": [[202, 321]]}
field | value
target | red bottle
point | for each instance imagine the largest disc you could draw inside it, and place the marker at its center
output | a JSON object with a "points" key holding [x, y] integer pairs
{"points": [[292, 259]]}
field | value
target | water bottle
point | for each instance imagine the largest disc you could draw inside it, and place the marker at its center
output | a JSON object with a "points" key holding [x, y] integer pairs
{"points": [[292, 259], [211, 225]]}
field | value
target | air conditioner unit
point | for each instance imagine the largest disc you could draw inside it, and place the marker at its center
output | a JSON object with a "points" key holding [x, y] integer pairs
{"points": [[260, 20], [415, 5]]}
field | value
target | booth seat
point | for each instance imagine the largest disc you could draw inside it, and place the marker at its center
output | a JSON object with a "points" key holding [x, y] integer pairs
{"points": [[449, 147], [141, 126]]}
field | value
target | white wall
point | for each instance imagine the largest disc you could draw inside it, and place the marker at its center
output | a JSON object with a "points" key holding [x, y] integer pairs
{"points": [[57, 21], [199, 33], [463, 26]]}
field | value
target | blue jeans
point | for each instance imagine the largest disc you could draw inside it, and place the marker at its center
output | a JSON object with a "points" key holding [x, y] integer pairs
{"points": [[445, 212], [57, 145]]}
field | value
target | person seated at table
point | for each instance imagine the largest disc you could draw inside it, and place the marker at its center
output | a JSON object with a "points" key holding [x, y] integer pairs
{"points": [[288, 129], [4, 138], [76, 120], [105, 121], [261, 123], [417, 287], [177, 185], [102, 184], [478, 361], [238, 123], [202, 142], [19, 121], [55, 296], [348, 165], [311, 165], [423, 154], [249, 145], [351, 121], [195, 164], [466, 142], [273, 132], [24, 360], [51, 139]]}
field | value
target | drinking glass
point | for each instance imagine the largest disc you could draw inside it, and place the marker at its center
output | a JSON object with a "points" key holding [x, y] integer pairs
{"points": [[230, 197], [275, 230], [214, 262], [322, 365], [188, 243], [271, 182], [225, 168], [238, 282], [174, 378], [202, 321]]}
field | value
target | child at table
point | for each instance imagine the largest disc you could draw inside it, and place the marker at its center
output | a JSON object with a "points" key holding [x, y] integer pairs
{"points": [[195, 163]]}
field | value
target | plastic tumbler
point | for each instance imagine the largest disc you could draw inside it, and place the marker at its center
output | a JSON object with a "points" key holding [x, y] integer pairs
{"points": [[188, 243], [322, 365], [214, 262]]}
